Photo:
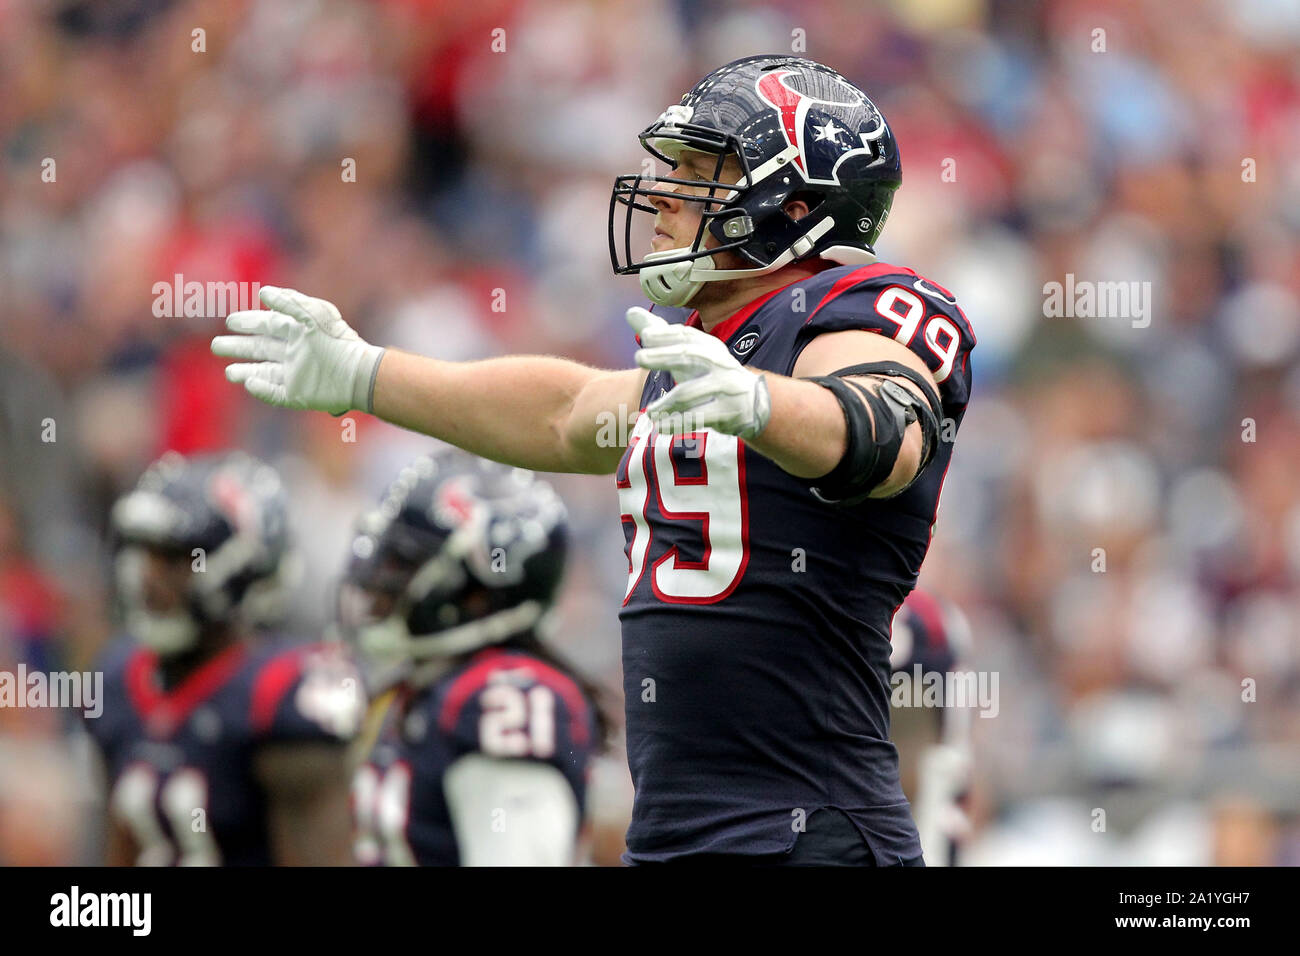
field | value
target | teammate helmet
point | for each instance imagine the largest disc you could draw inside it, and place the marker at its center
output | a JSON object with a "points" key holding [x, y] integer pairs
{"points": [[226, 513], [800, 130], [461, 553]]}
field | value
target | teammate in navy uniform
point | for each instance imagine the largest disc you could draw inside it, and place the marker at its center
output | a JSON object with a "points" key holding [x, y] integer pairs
{"points": [[931, 637], [780, 482], [482, 752], [217, 751]]}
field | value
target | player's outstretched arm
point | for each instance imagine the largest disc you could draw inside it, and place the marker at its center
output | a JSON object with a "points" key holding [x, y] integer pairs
{"points": [[532, 411], [308, 814]]}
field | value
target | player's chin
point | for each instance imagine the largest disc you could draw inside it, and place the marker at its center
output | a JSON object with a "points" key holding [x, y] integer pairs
{"points": [[661, 243]]}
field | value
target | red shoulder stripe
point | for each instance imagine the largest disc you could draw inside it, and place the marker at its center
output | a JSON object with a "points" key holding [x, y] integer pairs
{"points": [[564, 685], [862, 274], [270, 686], [465, 686], [925, 607], [475, 676]]}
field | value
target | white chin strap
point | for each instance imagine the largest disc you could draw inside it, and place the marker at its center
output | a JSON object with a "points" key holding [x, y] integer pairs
{"points": [[390, 650], [164, 634], [676, 283]]}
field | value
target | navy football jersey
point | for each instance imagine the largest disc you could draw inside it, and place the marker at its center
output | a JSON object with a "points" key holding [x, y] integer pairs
{"points": [[180, 762], [756, 619], [929, 637], [500, 703]]}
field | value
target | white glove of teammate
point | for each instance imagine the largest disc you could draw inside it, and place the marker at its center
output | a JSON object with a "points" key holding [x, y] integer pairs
{"points": [[301, 354], [713, 391]]}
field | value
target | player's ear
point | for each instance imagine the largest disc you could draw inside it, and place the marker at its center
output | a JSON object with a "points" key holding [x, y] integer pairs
{"points": [[796, 209]]}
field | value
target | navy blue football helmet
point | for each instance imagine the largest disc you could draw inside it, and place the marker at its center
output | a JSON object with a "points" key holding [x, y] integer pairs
{"points": [[800, 130], [461, 553], [227, 514]]}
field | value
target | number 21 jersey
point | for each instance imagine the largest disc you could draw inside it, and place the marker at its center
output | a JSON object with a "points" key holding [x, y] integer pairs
{"points": [[500, 703]]}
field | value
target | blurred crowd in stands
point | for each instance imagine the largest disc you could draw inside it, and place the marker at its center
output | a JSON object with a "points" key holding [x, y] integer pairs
{"points": [[1121, 522]]}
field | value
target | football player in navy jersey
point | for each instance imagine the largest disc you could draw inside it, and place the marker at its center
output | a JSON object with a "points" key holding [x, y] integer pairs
{"points": [[930, 637], [218, 750], [481, 756], [782, 478]]}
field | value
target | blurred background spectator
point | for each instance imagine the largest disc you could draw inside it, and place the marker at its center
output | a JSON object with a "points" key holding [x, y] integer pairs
{"points": [[1121, 523]]}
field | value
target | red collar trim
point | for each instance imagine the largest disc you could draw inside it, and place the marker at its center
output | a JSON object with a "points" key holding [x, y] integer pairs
{"points": [[164, 711], [725, 329]]}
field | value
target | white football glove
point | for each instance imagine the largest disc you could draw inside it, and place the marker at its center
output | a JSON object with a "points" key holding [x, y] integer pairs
{"points": [[713, 389], [301, 354]]}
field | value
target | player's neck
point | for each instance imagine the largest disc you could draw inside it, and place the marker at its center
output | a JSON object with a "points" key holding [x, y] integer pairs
{"points": [[721, 300], [428, 671], [175, 669]]}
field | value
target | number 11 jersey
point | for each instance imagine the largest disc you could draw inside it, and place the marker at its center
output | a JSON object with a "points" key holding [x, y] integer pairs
{"points": [[756, 619]]}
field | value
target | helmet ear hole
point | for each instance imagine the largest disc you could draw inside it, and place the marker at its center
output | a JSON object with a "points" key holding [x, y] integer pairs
{"points": [[810, 200]]}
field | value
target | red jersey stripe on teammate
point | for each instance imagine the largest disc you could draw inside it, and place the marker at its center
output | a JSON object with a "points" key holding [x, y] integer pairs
{"points": [[495, 658]]}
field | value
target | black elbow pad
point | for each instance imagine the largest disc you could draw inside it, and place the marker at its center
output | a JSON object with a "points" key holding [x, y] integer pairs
{"points": [[871, 454]]}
